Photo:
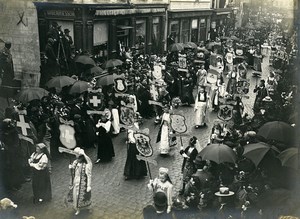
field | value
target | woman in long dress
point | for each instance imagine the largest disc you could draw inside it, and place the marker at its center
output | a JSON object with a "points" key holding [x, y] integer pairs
{"points": [[41, 184], [200, 107], [134, 169], [163, 134], [82, 178]]}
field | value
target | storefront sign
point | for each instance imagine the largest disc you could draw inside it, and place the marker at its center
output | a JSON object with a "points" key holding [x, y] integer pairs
{"points": [[60, 13], [128, 11]]}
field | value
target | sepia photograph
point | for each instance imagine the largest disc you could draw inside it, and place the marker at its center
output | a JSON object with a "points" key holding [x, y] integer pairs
{"points": [[149, 109]]}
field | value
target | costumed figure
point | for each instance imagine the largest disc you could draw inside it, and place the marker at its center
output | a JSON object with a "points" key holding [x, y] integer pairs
{"points": [[82, 179], [261, 93], [163, 185], [217, 134], [41, 184], [165, 99], [112, 103], [187, 90], [163, 134], [229, 57], [201, 104], [105, 145], [189, 154], [134, 169], [251, 52], [231, 85], [271, 84], [257, 59], [201, 76], [221, 85]]}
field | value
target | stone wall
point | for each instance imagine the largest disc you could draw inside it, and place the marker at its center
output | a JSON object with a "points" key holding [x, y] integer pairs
{"points": [[24, 38]]}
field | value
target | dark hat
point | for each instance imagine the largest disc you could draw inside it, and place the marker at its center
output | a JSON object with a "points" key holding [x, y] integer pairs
{"points": [[193, 140], [67, 31], [77, 116], [198, 160], [160, 201], [54, 24]]}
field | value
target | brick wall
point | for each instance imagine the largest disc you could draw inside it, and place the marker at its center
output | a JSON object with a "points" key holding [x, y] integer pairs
{"points": [[25, 40]]}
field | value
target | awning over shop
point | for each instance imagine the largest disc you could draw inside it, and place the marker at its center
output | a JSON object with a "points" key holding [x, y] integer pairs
{"points": [[189, 13], [123, 27]]}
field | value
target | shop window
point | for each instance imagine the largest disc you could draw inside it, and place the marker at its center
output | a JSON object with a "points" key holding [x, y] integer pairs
{"points": [[185, 31], [100, 41], [194, 33], [155, 35], [174, 30], [203, 23], [140, 35]]}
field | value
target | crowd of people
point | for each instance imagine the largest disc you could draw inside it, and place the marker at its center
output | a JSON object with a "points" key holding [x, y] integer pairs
{"points": [[228, 189]]}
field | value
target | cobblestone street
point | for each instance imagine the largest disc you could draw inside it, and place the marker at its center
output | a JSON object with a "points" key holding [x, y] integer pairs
{"points": [[112, 196]]}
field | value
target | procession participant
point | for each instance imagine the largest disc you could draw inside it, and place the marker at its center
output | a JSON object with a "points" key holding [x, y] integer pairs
{"points": [[217, 135], [164, 98], [229, 57], [271, 84], [163, 184], [163, 133], [257, 59], [221, 85], [261, 93], [201, 76], [82, 179], [187, 90], [201, 104], [188, 169], [134, 169], [41, 184], [105, 145], [231, 85]]}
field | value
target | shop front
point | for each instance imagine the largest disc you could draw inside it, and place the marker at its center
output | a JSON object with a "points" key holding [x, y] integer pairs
{"points": [[106, 30], [222, 19], [189, 26]]}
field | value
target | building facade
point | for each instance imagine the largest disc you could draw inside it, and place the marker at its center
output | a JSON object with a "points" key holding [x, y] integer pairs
{"points": [[107, 27], [189, 20]]}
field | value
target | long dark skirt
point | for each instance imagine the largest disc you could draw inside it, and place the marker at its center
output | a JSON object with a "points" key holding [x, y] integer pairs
{"points": [[133, 167], [41, 185]]}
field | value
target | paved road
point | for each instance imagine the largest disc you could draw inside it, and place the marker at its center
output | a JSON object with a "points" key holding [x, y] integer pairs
{"points": [[112, 196]]}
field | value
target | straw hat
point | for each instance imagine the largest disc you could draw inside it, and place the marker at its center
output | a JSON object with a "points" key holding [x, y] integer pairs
{"points": [[224, 191]]}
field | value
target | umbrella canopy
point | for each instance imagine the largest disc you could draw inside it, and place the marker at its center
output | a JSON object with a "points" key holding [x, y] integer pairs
{"points": [[203, 49], [218, 153], [175, 47], [59, 82], [256, 152], [96, 70], [79, 87], [33, 93], [112, 63], [85, 60], [190, 45], [277, 131], [289, 158], [105, 80]]}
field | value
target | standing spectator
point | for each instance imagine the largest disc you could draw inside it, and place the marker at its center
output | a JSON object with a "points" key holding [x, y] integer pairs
{"points": [[6, 65], [41, 184]]}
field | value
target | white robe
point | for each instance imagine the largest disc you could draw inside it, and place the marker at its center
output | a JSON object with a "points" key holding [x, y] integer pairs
{"points": [[115, 121], [164, 145], [200, 110]]}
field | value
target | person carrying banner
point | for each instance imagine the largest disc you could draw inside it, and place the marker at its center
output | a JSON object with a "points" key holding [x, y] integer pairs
{"points": [[201, 102]]}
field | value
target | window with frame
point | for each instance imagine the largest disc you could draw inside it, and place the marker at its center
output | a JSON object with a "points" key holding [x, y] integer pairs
{"points": [[185, 31], [174, 30]]}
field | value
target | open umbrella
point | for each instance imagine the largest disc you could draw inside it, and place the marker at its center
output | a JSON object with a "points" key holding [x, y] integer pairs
{"points": [[289, 158], [112, 63], [175, 47], [257, 151], [106, 80], [33, 93], [218, 153], [59, 82], [79, 87], [190, 45], [277, 131], [85, 60], [96, 70]]}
